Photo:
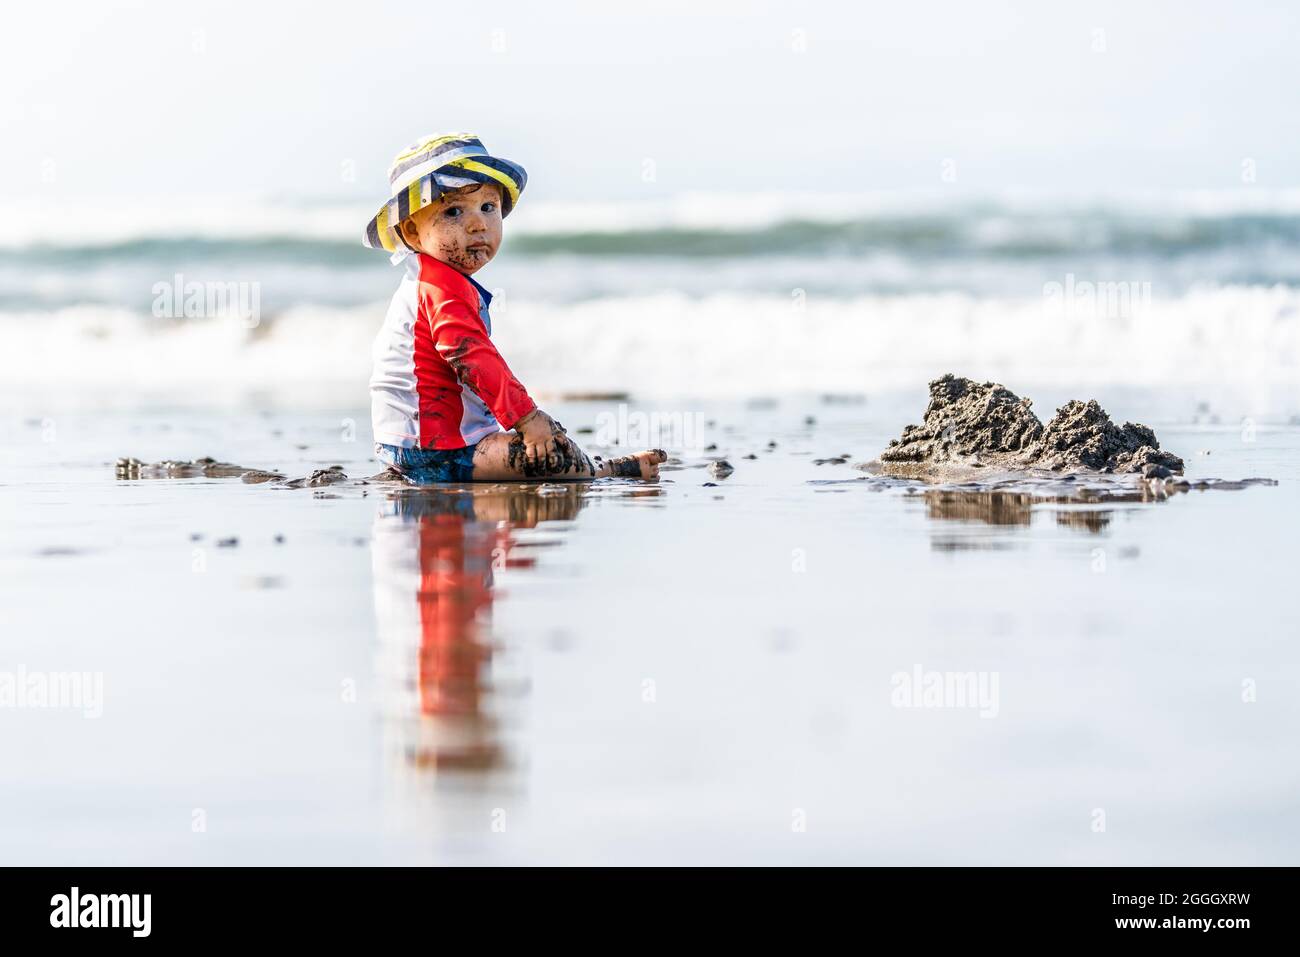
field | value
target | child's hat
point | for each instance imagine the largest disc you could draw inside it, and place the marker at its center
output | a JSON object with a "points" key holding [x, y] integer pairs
{"points": [[421, 173]]}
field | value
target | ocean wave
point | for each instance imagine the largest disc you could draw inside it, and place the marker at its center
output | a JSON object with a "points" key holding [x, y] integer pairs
{"points": [[991, 234], [566, 253], [1245, 338], [687, 225]]}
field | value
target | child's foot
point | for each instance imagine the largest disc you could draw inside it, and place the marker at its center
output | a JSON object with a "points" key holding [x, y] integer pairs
{"points": [[644, 465]]}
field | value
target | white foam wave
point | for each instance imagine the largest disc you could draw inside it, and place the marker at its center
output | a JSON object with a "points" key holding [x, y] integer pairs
{"points": [[1246, 339]]}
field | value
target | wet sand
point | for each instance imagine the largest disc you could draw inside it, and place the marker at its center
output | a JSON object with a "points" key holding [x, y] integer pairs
{"points": [[971, 425], [697, 670]]}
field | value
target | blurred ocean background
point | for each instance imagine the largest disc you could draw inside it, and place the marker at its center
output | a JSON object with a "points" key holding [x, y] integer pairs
{"points": [[702, 294], [724, 199]]}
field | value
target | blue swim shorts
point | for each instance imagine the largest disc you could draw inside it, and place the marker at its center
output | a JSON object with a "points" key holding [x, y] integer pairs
{"points": [[429, 466]]}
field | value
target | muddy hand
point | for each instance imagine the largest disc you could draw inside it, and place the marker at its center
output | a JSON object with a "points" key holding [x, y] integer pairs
{"points": [[548, 450], [540, 433]]}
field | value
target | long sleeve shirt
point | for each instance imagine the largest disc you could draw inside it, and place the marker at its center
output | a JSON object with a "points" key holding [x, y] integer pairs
{"points": [[438, 382]]}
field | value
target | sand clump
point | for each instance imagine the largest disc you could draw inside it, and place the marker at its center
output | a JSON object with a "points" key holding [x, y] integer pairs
{"points": [[208, 467], [971, 425]]}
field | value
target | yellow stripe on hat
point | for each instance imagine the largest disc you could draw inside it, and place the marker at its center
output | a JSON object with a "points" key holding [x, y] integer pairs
{"points": [[511, 186], [431, 143], [385, 235], [413, 197]]}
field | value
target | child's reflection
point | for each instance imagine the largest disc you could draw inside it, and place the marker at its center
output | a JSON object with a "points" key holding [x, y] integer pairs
{"points": [[434, 556]]}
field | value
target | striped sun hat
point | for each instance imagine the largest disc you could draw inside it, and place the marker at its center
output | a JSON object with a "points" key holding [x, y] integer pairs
{"points": [[421, 173]]}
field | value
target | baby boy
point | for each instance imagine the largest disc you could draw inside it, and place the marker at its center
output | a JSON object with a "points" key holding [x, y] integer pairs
{"points": [[441, 394]]}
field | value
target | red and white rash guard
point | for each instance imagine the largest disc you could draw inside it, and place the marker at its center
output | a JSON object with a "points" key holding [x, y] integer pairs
{"points": [[438, 382]]}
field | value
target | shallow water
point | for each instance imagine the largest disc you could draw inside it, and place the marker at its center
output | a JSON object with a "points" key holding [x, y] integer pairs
{"points": [[623, 673]]}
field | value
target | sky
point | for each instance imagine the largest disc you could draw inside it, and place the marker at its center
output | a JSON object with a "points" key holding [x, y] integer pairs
{"points": [[602, 102]]}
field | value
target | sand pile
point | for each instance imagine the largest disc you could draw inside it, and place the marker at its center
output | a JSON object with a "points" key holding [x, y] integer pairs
{"points": [[985, 425]]}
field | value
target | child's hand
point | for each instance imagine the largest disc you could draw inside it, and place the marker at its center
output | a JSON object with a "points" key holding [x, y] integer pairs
{"points": [[542, 437]]}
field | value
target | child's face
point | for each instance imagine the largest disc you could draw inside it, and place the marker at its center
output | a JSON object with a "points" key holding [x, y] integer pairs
{"points": [[461, 228]]}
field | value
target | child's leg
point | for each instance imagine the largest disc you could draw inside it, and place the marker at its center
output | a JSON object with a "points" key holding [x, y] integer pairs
{"points": [[501, 457]]}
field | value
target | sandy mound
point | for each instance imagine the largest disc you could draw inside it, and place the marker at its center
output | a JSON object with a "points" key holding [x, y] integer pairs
{"points": [[985, 425]]}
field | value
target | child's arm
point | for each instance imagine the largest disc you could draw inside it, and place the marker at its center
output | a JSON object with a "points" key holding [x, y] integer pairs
{"points": [[459, 338]]}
